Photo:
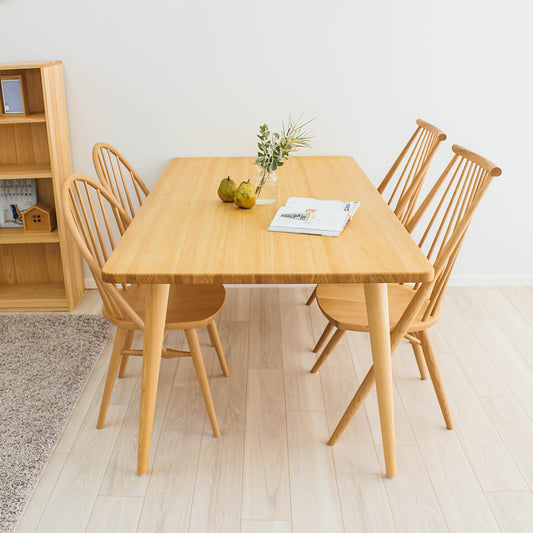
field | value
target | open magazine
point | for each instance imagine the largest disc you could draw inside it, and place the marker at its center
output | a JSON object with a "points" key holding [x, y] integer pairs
{"points": [[315, 217]]}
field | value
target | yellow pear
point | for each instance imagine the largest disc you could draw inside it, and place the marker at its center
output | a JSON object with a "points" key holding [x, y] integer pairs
{"points": [[245, 195], [226, 190]]}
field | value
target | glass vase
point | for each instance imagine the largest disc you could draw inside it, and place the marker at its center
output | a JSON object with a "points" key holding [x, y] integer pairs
{"points": [[266, 187]]}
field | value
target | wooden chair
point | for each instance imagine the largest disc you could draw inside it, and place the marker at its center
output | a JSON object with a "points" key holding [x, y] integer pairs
{"points": [[97, 220], [115, 172], [413, 309], [403, 182]]}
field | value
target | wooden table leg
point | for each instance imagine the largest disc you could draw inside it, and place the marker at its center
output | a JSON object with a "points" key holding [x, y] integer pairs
{"points": [[154, 331], [378, 322]]}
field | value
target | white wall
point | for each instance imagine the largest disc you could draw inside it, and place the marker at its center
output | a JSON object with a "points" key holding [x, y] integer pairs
{"points": [[172, 78]]}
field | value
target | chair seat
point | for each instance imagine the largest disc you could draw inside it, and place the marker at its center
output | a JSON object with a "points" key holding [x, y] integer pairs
{"points": [[344, 306], [189, 306]]}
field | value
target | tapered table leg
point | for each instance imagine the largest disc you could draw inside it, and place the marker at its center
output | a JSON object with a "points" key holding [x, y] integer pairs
{"points": [[154, 331], [378, 321]]}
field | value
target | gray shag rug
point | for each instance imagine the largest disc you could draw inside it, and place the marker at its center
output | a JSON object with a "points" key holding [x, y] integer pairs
{"points": [[45, 360]]}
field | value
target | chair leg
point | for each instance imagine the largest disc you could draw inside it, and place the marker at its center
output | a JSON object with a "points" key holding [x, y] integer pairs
{"points": [[124, 360], [194, 345], [419, 356], [323, 337], [311, 298], [215, 341], [337, 336], [121, 337], [434, 372]]}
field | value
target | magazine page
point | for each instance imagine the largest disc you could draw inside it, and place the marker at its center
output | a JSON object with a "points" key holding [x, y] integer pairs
{"points": [[315, 217], [318, 219], [333, 205]]}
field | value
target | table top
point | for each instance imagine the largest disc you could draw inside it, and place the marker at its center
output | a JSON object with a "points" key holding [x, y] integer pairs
{"points": [[183, 233]]}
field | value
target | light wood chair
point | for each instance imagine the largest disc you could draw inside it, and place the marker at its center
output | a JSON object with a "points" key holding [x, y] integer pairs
{"points": [[97, 220], [403, 182], [413, 309], [115, 172]]}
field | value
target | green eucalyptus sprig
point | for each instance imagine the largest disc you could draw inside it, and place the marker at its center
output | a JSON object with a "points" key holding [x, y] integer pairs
{"points": [[275, 148]]}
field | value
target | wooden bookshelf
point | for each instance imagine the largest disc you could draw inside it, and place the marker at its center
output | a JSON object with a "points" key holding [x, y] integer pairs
{"points": [[38, 271]]}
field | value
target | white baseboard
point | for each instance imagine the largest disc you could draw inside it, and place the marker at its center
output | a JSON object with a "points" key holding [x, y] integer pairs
{"points": [[490, 281]]}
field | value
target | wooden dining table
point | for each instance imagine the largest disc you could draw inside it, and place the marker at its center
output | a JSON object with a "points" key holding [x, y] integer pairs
{"points": [[183, 233]]}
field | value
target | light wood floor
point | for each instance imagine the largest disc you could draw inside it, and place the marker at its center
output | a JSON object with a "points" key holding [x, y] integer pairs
{"points": [[271, 470]]}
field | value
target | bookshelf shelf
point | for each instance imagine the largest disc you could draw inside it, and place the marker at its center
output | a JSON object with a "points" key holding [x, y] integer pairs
{"points": [[39, 271], [33, 297], [25, 170], [29, 119], [18, 236]]}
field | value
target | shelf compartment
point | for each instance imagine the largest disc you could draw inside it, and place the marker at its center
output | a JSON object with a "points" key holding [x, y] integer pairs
{"points": [[28, 119], [17, 236], [33, 297], [25, 171]]}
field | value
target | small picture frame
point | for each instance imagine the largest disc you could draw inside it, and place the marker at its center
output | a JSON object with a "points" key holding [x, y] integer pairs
{"points": [[13, 96]]}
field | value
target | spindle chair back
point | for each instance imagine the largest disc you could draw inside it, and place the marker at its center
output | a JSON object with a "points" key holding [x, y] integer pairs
{"points": [[115, 172], [97, 220], [403, 182]]}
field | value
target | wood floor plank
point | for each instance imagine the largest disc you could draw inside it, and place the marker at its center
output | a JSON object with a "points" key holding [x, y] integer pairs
{"points": [[265, 349], [469, 353], [76, 490], [217, 496], [466, 302], [266, 526], [508, 318], [237, 305], [492, 463], [85, 401], [355, 452], [513, 510], [168, 501], [119, 515], [40, 497], [303, 390], [266, 475], [514, 369], [414, 504], [516, 430], [522, 299], [460, 496], [229, 393], [121, 477], [365, 506], [294, 296], [314, 493]]}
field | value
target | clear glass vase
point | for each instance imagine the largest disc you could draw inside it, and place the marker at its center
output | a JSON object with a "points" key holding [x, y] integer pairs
{"points": [[266, 187]]}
